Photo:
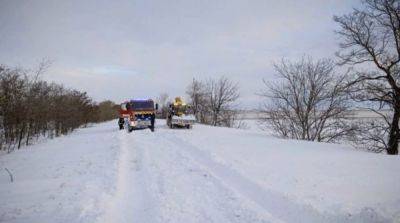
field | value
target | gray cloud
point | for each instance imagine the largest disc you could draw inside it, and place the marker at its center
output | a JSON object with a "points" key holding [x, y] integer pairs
{"points": [[122, 49]]}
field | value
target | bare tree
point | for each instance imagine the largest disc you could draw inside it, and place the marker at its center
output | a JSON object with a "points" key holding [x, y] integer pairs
{"points": [[43, 66], [220, 96], [371, 135], [371, 37], [308, 102], [197, 96], [163, 100], [213, 101]]}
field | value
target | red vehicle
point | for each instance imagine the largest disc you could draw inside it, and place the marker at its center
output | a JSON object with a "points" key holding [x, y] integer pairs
{"points": [[137, 114]]}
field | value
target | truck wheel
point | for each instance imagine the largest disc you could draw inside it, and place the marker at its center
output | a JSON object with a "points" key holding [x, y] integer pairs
{"points": [[121, 122], [130, 129]]}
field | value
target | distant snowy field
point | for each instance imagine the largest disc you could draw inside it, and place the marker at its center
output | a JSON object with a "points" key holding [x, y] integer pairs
{"points": [[207, 174]]}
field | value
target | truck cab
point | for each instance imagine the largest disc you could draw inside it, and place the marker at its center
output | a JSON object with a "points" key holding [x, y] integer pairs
{"points": [[137, 114]]}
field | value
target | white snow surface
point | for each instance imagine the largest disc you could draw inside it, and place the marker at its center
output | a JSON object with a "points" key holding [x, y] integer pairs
{"points": [[206, 174]]}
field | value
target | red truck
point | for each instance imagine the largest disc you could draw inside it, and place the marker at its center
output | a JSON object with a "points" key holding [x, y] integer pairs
{"points": [[137, 114]]}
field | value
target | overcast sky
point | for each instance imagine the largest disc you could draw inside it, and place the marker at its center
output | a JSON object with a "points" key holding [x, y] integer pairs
{"points": [[124, 49]]}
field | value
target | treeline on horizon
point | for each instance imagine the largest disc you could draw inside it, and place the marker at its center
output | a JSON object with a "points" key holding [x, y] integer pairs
{"points": [[31, 108]]}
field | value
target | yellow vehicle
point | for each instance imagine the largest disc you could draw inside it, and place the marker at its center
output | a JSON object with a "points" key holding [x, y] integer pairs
{"points": [[180, 115]]}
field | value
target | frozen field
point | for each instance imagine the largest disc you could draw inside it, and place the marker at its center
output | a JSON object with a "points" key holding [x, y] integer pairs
{"points": [[207, 174]]}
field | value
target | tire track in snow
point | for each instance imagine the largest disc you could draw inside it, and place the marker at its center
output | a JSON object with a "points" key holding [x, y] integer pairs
{"points": [[279, 205], [131, 201], [186, 192]]}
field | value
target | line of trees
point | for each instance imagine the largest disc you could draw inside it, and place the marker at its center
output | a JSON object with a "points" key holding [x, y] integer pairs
{"points": [[30, 108], [312, 99]]}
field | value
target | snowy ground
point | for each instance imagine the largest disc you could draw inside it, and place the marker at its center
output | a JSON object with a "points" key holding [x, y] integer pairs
{"points": [[206, 174]]}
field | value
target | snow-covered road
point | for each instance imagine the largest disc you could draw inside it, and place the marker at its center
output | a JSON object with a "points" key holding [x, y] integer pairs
{"points": [[206, 174], [162, 179]]}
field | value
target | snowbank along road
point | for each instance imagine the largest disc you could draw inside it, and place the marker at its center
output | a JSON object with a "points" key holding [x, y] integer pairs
{"points": [[207, 174]]}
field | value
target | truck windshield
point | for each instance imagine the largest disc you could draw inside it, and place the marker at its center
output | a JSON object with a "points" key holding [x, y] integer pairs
{"points": [[142, 105]]}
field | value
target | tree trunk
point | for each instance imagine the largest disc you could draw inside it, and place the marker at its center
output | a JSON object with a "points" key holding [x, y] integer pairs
{"points": [[28, 133], [27, 138], [214, 118], [21, 135], [394, 133]]}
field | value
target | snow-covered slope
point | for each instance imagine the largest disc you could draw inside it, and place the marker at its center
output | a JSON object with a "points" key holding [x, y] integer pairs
{"points": [[206, 174]]}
